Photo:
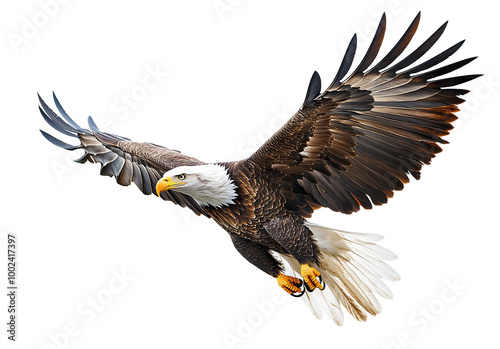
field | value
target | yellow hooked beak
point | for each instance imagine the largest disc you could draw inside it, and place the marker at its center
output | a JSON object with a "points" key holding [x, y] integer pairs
{"points": [[166, 184]]}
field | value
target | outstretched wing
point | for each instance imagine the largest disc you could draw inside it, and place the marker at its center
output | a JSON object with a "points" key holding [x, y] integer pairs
{"points": [[355, 144], [127, 161]]}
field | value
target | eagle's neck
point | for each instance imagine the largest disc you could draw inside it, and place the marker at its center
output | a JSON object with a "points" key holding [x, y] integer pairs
{"points": [[214, 187]]}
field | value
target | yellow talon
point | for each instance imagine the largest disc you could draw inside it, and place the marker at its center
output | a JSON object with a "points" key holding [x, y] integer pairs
{"points": [[310, 276], [289, 283]]}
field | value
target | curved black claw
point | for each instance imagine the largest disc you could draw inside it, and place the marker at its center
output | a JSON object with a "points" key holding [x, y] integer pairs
{"points": [[302, 290], [322, 283]]}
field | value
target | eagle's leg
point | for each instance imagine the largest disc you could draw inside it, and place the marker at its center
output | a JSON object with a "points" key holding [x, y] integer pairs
{"points": [[291, 233], [259, 255]]}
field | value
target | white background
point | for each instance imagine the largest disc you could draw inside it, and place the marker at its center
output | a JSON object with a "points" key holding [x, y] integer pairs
{"points": [[225, 79]]}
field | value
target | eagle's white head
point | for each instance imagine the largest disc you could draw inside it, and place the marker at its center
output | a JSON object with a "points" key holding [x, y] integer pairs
{"points": [[209, 185]]}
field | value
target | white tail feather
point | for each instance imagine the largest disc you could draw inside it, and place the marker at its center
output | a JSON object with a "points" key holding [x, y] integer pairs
{"points": [[352, 266]]}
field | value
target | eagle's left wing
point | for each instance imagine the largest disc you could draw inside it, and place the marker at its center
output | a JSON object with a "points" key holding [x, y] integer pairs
{"points": [[355, 143], [127, 161]]}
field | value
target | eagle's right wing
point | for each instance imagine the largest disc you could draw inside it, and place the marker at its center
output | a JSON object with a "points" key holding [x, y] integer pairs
{"points": [[355, 143], [127, 161]]}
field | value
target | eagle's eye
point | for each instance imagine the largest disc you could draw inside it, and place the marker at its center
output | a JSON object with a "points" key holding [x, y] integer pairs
{"points": [[181, 177]]}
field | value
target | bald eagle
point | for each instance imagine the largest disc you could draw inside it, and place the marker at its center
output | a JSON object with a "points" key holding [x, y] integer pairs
{"points": [[348, 147]]}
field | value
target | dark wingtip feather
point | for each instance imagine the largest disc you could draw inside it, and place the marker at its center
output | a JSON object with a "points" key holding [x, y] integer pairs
{"points": [[444, 70], [400, 46], [456, 80], [58, 142], [45, 106], [63, 112], [40, 98], [421, 50], [56, 124], [314, 88], [346, 61], [374, 47], [434, 60], [92, 124]]}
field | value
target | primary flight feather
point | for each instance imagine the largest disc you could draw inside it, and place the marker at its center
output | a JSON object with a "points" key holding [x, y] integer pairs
{"points": [[348, 147]]}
